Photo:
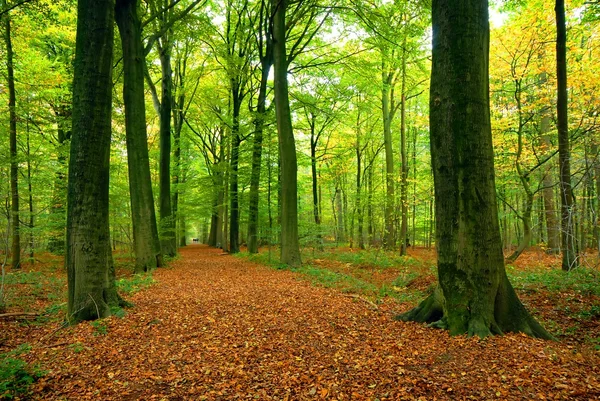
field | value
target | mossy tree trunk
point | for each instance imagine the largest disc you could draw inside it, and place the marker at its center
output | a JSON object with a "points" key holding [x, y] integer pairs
{"points": [[290, 246], [145, 230], [91, 286], [474, 295]]}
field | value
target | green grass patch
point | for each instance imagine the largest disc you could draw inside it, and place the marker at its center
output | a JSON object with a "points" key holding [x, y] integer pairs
{"points": [[15, 374], [319, 275], [137, 282]]}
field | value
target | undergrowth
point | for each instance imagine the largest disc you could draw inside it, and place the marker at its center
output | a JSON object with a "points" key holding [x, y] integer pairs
{"points": [[15, 374], [132, 284], [582, 280], [350, 282]]}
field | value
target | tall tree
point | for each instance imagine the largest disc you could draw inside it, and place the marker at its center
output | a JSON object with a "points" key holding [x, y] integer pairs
{"points": [[290, 247], [474, 295], [88, 257], [145, 231], [569, 237], [265, 54], [15, 248]]}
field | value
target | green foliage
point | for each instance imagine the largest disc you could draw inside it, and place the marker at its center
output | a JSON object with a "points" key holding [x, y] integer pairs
{"points": [[118, 312], [100, 328], [582, 280], [135, 283], [331, 279], [77, 347], [15, 374]]}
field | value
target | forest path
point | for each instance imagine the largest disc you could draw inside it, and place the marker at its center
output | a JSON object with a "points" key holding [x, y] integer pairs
{"points": [[218, 327]]}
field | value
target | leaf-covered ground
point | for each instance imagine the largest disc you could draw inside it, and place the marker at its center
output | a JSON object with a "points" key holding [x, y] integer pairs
{"points": [[217, 327]]}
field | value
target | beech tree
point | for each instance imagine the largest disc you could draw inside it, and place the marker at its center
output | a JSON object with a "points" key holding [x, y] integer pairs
{"points": [[90, 270], [474, 295], [145, 231], [568, 234]]}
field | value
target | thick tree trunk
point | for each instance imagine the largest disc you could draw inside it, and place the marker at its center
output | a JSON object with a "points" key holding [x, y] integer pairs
{"points": [[568, 238], [15, 249], [89, 265], [146, 242], [290, 247], [474, 295]]}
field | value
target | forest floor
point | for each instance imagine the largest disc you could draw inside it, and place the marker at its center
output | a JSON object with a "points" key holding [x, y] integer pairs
{"points": [[218, 327]]}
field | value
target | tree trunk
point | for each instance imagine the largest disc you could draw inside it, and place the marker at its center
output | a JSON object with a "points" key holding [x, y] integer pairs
{"points": [[90, 272], [359, 211], [370, 230], [146, 242], [30, 194], [388, 239], [57, 217], [568, 239], [234, 215], [597, 197], [253, 199], [340, 215], [15, 248], [404, 160], [315, 194], [167, 221], [214, 219], [474, 295], [290, 247], [552, 224], [266, 62]]}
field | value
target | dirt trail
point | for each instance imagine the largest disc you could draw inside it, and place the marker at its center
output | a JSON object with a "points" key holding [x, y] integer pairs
{"points": [[220, 328]]}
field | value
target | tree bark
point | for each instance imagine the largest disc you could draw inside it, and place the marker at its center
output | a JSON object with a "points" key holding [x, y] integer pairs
{"points": [[404, 160], [597, 197], [387, 110], [146, 242], [31, 239], [568, 238], [474, 295], [315, 194], [91, 286], [290, 247], [234, 215], [15, 249], [259, 122]]}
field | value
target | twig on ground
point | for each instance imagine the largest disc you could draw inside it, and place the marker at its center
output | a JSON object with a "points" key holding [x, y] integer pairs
{"points": [[373, 305], [18, 314]]}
